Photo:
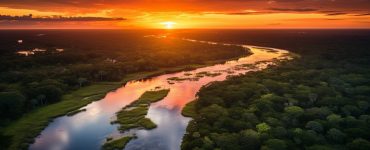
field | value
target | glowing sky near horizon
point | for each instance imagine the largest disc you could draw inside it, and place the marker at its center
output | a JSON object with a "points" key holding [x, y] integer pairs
{"points": [[191, 13]]}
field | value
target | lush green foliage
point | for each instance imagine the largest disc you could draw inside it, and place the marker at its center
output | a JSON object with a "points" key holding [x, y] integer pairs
{"points": [[320, 101], [41, 86]]}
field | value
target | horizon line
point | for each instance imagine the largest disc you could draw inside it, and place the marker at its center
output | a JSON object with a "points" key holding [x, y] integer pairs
{"points": [[349, 28]]}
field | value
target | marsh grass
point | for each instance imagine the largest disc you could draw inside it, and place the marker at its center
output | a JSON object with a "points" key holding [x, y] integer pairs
{"points": [[118, 143], [72, 113], [133, 115]]}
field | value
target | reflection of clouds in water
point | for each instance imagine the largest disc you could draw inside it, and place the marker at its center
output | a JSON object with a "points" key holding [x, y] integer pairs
{"points": [[59, 134], [168, 134]]}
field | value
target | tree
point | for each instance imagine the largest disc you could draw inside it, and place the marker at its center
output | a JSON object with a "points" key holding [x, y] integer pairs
{"points": [[81, 81], [279, 132], [363, 105], [213, 113], [335, 135], [249, 139], [226, 140], [276, 144], [317, 113], [51, 93], [294, 111], [11, 104], [351, 110], [334, 118], [314, 125], [359, 144], [320, 147], [263, 127]]}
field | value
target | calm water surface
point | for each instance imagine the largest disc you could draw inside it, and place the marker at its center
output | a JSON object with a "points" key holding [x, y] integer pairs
{"points": [[88, 130]]}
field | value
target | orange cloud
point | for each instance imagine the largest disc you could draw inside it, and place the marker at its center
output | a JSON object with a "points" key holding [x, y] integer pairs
{"points": [[202, 13]]}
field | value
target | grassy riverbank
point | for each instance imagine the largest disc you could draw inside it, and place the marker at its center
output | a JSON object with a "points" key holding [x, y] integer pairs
{"points": [[23, 131]]}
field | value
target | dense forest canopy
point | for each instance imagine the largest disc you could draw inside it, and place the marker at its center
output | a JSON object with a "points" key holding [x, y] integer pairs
{"points": [[319, 101]]}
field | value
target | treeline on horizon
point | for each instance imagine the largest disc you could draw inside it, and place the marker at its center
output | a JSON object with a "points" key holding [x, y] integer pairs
{"points": [[30, 82], [317, 102]]}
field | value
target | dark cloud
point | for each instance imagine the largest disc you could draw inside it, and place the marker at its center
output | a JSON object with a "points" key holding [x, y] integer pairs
{"points": [[365, 14], [235, 7], [238, 13], [188, 4], [294, 9], [336, 14], [56, 18]]}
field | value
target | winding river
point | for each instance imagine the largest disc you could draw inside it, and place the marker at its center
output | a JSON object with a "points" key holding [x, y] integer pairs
{"points": [[88, 130]]}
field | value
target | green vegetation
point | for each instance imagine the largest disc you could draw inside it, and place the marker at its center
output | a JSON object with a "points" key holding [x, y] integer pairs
{"points": [[117, 144], [133, 115], [30, 125], [319, 101], [37, 88], [189, 109], [207, 74], [195, 78], [74, 112]]}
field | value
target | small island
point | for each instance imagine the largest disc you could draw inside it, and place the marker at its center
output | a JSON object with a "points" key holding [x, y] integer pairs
{"points": [[133, 116]]}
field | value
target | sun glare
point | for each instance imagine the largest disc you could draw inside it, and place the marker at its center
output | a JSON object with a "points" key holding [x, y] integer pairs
{"points": [[168, 24]]}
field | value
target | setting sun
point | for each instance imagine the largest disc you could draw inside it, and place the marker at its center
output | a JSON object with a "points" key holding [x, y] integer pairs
{"points": [[168, 24]]}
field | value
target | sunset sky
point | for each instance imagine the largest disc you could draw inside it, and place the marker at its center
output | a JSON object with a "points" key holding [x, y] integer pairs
{"points": [[185, 14]]}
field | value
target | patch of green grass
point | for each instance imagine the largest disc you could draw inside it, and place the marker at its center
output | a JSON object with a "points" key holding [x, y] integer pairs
{"points": [[189, 109], [152, 96], [133, 115], [147, 123], [118, 143]]}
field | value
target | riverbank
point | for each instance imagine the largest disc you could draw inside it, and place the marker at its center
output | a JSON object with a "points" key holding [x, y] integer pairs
{"points": [[23, 131]]}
